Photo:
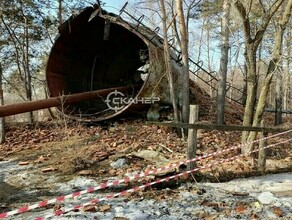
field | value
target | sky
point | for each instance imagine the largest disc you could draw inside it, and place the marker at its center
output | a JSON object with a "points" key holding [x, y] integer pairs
{"points": [[115, 5]]}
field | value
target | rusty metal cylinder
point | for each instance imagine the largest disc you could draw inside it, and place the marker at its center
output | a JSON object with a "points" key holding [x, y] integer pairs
{"points": [[97, 50]]}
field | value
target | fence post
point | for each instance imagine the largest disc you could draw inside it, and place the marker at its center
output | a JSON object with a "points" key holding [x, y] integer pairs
{"points": [[192, 136], [262, 152]]}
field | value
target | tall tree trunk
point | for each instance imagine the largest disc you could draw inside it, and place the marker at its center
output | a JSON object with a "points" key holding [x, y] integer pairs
{"points": [[251, 92], [185, 62], [287, 78], [209, 63], [279, 98], [28, 87], [231, 85], [287, 89], [286, 84], [223, 62], [200, 48], [230, 79], [167, 62], [244, 90], [60, 11], [2, 121]]}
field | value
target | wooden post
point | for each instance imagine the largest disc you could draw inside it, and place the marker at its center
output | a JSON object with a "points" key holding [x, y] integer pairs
{"points": [[262, 152], [192, 136]]}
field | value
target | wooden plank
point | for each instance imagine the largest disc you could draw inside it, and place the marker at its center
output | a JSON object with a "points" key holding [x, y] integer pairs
{"points": [[284, 111], [205, 126]]}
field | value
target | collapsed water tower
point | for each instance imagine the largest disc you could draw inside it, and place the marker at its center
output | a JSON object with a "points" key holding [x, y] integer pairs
{"points": [[98, 50], [104, 57]]}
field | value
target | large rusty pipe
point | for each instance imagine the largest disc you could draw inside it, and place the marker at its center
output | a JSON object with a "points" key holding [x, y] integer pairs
{"points": [[18, 108]]}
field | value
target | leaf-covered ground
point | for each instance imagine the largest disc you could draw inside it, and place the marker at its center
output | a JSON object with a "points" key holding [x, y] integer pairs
{"points": [[89, 150]]}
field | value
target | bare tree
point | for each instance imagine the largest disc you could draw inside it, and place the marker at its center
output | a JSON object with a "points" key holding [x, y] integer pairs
{"points": [[20, 38], [184, 42], [272, 67], [27, 80], [223, 62], [168, 60], [252, 42]]}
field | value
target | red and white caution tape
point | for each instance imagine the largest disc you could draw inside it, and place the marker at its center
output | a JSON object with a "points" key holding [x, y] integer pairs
{"points": [[127, 179], [138, 188]]}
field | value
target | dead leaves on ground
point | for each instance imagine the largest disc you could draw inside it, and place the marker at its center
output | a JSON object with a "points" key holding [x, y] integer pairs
{"points": [[241, 209], [85, 172], [94, 208], [278, 211], [23, 163], [49, 169], [145, 147], [89, 208]]}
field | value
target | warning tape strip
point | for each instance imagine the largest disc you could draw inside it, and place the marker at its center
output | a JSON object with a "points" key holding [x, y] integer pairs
{"points": [[128, 179], [138, 188]]}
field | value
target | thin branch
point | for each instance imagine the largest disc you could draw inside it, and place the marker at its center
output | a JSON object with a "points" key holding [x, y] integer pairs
{"points": [[263, 6]]}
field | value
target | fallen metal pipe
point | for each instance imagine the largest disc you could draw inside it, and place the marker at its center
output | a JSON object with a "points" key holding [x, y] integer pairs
{"points": [[64, 100]]}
